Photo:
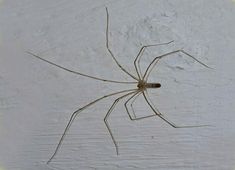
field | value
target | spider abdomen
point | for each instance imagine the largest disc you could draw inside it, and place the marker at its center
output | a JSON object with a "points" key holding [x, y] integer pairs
{"points": [[152, 85], [143, 85]]}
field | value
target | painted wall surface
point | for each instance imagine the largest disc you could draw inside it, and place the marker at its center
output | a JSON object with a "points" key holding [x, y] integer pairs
{"points": [[37, 99]]}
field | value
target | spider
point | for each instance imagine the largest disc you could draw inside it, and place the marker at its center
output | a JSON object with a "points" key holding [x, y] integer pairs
{"points": [[142, 85]]}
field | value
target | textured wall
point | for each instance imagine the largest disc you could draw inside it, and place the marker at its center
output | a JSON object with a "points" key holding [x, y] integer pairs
{"points": [[37, 99]]}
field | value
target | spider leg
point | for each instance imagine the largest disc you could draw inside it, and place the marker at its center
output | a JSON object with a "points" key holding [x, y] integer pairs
{"points": [[75, 114], [132, 108], [134, 97], [108, 114], [139, 55], [75, 72], [159, 114], [110, 51], [156, 59]]}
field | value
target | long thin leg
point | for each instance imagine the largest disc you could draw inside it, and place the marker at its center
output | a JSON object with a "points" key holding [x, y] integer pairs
{"points": [[149, 99], [158, 113], [75, 114], [78, 73], [128, 112], [128, 100], [152, 64], [108, 114], [109, 50], [132, 108], [141, 51], [150, 70]]}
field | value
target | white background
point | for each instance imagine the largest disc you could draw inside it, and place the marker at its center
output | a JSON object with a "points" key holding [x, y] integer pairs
{"points": [[36, 99]]}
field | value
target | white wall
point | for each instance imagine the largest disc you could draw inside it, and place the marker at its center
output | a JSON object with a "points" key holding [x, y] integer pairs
{"points": [[37, 99]]}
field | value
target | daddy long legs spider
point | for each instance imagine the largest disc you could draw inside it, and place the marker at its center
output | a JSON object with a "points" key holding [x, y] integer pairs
{"points": [[141, 81]]}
